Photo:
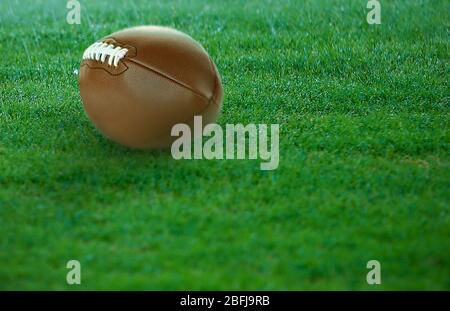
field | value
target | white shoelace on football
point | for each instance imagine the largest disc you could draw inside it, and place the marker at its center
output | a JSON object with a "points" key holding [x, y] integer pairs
{"points": [[100, 50]]}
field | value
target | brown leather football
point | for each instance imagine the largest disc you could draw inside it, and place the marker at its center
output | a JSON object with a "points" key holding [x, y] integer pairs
{"points": [[138, 82]]}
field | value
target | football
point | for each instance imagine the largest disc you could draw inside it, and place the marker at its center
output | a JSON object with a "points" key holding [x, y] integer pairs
{"points": [[137, 83]]}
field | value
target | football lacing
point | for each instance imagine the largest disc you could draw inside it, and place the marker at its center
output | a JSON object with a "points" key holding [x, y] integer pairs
{"points": [[100, 50]]}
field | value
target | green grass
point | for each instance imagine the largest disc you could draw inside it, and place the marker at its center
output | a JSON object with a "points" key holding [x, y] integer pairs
{"points": [[364, 152]]}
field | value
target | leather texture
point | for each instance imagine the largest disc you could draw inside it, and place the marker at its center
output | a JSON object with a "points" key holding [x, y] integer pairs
{"points": [[166, 78]]}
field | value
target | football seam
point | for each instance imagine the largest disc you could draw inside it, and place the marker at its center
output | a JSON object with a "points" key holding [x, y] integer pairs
{"points": [[171, 79], [216, 82]]}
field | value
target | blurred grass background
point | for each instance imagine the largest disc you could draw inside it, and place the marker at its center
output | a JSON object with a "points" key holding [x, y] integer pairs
{"points": [[364, 169]]}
